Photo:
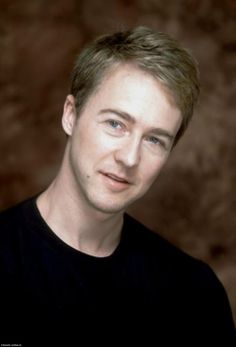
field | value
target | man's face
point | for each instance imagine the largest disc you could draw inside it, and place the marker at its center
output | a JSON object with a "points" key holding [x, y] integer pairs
{"points": [[121, 140]]}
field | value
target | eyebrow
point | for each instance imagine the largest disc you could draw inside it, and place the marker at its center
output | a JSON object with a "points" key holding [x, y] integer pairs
{"points": [[126, 116], [122, 114]]}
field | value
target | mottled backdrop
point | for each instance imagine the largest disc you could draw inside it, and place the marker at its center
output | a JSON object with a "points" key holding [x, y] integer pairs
{"points": [[193, 202]]}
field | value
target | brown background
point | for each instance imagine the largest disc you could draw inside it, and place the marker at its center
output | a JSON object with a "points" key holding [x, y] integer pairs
{"points": [[193, 202]]}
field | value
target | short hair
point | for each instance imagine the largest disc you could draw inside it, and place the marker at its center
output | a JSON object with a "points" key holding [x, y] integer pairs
{"points": [[154, 52]]}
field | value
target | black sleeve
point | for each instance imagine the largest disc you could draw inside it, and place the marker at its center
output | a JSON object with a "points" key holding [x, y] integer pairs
{"points": [[214, 312]]}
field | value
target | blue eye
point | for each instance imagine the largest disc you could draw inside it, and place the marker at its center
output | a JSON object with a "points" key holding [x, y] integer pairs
{"points": [[114, 124], [157, 142], [154, 140]]}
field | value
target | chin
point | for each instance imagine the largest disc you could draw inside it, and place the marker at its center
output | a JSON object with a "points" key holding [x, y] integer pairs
{"points": [[109, 207], [109, 204]]}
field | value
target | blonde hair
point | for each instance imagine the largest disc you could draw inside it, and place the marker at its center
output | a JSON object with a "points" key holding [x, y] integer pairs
{"points": [[154, 52]]}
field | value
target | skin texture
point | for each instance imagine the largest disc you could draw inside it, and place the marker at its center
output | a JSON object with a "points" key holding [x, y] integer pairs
{"points": [[115, 151], [102, 141]]}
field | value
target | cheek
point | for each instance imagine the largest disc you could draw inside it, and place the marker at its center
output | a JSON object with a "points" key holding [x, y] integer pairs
{"points": [[94, 138], [151, 170], [93, 149], [102, 147]]}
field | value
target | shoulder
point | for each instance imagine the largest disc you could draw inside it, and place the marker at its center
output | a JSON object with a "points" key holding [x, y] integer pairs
{"points": [[182, 278], [14, 221], [17, 212], [167, 258], [13, 214], [152, 243]]}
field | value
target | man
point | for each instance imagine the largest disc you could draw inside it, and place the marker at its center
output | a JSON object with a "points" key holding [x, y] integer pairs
{"points": [[72, 261]]}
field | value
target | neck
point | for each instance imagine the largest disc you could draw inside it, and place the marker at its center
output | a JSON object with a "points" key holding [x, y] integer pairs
{"points": [[82, 227]]}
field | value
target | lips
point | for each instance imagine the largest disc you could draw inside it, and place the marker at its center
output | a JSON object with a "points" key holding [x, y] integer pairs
{"points": [[115, 183], [116, 177]]}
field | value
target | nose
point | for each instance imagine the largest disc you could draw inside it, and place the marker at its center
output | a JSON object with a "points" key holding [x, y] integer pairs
{"points": [[129, 153]]}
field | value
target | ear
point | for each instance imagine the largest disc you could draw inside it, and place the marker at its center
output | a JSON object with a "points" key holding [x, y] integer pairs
{"points": [[69, 115]]}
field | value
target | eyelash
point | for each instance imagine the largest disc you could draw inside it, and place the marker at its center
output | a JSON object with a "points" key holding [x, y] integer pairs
{"points": [[156, 142], [110, 121]]}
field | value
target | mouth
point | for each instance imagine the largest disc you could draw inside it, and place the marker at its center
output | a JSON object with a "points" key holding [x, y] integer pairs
{"points": [[116, 183], [116, 178]]}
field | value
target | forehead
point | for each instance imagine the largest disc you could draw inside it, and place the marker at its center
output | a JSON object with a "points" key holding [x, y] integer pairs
{"points": [[129, 77], [135, 92]]}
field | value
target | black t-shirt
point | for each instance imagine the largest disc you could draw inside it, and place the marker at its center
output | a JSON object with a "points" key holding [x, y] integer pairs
{"points": [[147, 289]]}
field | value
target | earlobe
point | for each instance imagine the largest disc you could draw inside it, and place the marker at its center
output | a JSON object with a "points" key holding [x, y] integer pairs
{"points": [[69, 115]]}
